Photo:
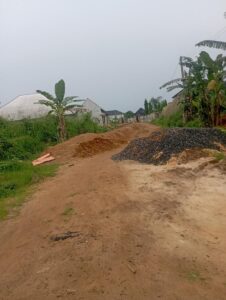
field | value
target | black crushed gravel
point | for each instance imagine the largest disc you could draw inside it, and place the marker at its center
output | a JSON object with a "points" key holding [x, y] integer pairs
{"points": [[158, 148]]}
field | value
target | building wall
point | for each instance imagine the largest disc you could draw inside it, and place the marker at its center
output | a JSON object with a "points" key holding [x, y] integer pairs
{"points": [[95, 111], [116, 117], [24, 107]]}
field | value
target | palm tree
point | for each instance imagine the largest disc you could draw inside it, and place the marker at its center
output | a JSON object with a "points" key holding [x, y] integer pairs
{"points": [[59, 105], [213, 44]]}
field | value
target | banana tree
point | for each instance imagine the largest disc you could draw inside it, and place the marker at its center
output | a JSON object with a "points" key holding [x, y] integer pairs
{"points": [[212, 43], [203, 88], [59, 104]]}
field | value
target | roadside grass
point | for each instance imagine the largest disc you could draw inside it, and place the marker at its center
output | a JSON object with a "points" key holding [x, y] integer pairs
{"points": [[219, 156], [15, 179], [176, 120], [23, 140]]}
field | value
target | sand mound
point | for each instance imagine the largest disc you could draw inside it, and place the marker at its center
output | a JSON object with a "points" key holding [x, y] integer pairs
{"points": [[95, 146], [162, 145], [89, 144]]}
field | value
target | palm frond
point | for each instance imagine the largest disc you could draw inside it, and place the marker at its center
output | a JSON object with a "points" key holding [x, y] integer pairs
{"points": [[46, 94], [70, 107], [47, 103], [186, 60], [207, 60], [171, 82], [212, 44], [50, 112], [70, 99], [173, 87], [60, 90]]}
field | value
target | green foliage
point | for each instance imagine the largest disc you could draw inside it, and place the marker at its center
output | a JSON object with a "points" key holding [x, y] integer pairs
{"points": [[82, 124], [15, 178], [175, 120], [194, 123], [129, 114], [219, 156], [203, 88], [212, 44], [68, 211], [146, 107], [21, 141], [24, 139], [60, 90], [155, 105], [59, 105]]}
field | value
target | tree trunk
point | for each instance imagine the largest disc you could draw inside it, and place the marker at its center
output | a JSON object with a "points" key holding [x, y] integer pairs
{"points": [[61, 128]]}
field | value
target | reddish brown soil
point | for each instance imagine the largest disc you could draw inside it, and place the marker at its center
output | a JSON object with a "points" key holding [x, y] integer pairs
{"points": [[142, 232], [92, 143], [96, 145]]}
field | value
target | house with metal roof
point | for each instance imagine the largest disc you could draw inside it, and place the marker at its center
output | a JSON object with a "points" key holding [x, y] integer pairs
{"points": [[27, 107], [114, 115]]}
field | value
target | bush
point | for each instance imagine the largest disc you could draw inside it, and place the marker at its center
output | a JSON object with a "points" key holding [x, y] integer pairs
{"points": [[82, 124], [176, 120], [15, 177], [24, 139]]}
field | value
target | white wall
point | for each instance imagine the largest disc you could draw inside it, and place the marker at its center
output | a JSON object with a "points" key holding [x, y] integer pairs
{"points": [[24, 107]]}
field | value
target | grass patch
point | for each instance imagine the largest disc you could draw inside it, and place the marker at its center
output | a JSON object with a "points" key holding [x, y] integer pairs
{"points": [[194, 276], [15, 178], [69, 211], [25, 139], [176, 120], [219, 156]]}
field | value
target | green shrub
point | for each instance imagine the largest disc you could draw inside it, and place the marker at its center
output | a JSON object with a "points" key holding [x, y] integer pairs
{"points": [[24, 139], [176, 120], [82, 124], [15, 178]]}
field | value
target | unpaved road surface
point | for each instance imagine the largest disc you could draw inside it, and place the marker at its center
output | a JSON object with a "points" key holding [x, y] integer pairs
{"points": [[142, 232]]}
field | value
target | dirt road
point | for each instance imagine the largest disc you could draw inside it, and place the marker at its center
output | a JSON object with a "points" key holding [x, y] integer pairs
{"points": [[142, 232]]}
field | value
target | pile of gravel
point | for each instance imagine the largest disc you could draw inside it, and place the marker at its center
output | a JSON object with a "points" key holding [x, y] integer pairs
{"points": [[159, 147]]}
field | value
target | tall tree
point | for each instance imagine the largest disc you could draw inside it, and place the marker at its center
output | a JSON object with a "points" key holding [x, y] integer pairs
{"points": [[203, 88], [59, 104], [146, 108]]}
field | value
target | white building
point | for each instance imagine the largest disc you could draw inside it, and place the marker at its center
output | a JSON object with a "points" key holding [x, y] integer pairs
{"points": [[114, 115], [27, 107]]}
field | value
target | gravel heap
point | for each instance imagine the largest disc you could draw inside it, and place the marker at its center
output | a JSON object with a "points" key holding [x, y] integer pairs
{"points": [[160, 146]]}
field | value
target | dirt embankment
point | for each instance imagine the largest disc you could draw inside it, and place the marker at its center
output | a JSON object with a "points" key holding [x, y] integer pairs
{"points": [[89, 144], [106, 230]]}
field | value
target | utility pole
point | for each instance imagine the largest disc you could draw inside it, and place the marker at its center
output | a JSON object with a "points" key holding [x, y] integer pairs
{"points": [[182, 67]]}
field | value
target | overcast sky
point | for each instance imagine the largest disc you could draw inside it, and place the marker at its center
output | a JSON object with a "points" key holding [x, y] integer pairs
{"points": [[116, 52]]}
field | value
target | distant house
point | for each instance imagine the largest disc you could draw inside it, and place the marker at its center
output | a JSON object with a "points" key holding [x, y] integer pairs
{"points": [[24, 107], [140, 112], [114, 115], [27, 107], [89, 106]]}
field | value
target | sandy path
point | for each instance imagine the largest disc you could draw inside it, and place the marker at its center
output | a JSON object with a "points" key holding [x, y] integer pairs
{"points": [[144, 233]]}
